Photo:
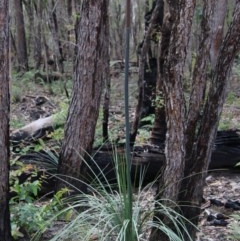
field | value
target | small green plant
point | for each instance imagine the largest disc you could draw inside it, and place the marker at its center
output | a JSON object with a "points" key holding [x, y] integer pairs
{"points": [[231, 98], [29, 218], [16, 94], [159, 100], [103, 213], [16, 123], [234, 228], [224, 124], [149, 118], [28, 215]]}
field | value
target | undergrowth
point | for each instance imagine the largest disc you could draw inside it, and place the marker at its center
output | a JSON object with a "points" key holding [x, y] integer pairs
{"points": [[29, 214], [102, 214]]}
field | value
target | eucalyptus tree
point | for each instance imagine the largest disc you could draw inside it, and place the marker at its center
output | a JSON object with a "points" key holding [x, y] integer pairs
{"points": [[192, 123], [5, 229], [21, 41], [89, 72]]}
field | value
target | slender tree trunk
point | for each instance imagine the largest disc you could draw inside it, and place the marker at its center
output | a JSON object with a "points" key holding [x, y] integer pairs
{"points": [[92, 55], [154, 21], [29, 7], [20, 37], [38, 37], [58, 51], [218, 30], [5, 229], [106, 103], [158, 134]]}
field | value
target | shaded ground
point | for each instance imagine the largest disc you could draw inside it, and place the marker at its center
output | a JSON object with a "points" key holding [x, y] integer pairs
{"points": [[222, 186]]}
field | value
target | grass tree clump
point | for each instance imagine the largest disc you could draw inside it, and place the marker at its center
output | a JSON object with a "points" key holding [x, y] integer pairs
{"points": [[102, 214]]}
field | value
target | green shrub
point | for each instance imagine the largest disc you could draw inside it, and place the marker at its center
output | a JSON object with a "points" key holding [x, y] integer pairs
{"points": [[16, 94], [104, 214], [28, 214], [234, 228]]}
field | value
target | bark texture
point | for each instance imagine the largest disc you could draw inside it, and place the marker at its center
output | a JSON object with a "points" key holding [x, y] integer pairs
{"points": [[21, 37], [92, 54], [181, 15], [218, 29], [191, 132], [198, 162], [5, 230], [153, 22]]}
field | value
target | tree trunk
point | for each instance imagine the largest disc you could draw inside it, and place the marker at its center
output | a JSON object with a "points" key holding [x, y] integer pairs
{"points": [[20, 37], [5, 229], [58, 51], [190, 136], [175, 106], [201, 154], [218, 30], [38, 37], [92, 54], [147, 74], [30, 28], [158, 134]]}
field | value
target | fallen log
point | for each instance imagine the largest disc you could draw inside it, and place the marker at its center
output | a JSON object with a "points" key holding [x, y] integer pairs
{"points": [[146, 166], [37, 129], [147, 161]]}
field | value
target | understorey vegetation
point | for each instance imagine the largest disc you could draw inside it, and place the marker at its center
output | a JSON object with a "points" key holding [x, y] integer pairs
{"points": [[113, 113]]}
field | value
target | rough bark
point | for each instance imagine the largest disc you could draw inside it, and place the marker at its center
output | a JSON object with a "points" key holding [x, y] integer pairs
{"points": [[158, 134], [38, 37], [225, 156], [92, 54], [174, 99], [199, 81], [58, 50], [218, 30], [20, 37], [107, 88], [181, 14], [196, 166], [153, 22], [5, 229]]}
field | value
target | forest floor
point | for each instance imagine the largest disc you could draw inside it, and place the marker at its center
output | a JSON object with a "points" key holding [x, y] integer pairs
{"points": [[222, 185]]}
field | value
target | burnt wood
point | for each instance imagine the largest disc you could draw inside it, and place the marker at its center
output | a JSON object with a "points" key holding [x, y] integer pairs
{"points": [[147, 161]]}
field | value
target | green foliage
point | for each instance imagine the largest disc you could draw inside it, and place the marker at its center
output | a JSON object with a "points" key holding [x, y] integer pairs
{"points": [[57, 134], [229, 117], [28, 216], [103, 213], [143, 136], [16, 94], [16, 123], [231, 98], [225, 123], [234, 228], [159, 100], [149, 118], [33, 217], [28, 190]]}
